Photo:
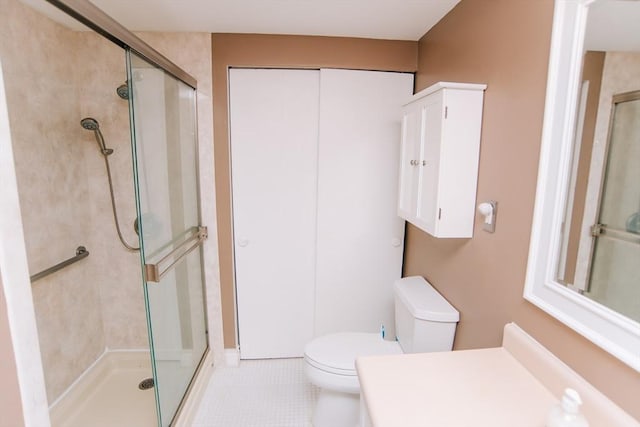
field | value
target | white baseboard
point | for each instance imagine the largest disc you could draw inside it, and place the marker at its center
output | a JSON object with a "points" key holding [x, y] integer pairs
{"points": [[232, 357]]}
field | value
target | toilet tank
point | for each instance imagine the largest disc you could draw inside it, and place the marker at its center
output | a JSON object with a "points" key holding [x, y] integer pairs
{"points": [[425, 321]]}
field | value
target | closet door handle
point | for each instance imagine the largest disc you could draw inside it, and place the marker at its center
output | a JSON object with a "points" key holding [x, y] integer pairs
{"points": [[243, 242]]}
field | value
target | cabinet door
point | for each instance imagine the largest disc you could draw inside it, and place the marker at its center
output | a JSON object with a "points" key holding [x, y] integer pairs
{"points": [[427, 209], [409, 154]]}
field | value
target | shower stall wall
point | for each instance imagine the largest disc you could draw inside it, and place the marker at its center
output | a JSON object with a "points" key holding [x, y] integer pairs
{"points": [[54, 77], [46, 87]]}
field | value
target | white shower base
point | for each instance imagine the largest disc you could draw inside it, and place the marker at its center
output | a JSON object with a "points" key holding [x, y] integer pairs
{"points": [[107, 394]]}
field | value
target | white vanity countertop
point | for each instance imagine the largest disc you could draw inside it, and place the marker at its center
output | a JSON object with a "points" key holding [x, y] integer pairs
{"points": [[485, 387], [508, 386]]}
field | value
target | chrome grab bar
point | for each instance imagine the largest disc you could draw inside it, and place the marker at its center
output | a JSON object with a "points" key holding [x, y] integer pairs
{"points": [[153, 273], [81, 252]]}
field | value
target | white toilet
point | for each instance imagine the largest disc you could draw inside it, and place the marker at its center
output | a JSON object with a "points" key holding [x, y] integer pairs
{"points": [[425, 322]]}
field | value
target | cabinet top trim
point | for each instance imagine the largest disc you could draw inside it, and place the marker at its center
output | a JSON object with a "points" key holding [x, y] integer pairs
{"points": [[446, 85]]}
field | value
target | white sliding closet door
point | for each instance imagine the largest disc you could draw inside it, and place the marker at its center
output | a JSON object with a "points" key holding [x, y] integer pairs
{"points": [[274, 134], [360, 236], [318, 243]]}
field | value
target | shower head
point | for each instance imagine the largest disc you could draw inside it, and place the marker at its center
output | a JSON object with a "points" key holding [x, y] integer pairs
{"points": [[89, 123], [123, 91]]}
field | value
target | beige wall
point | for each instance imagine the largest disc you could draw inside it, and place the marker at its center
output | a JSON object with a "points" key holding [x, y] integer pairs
{"points": [[505, 44], [10, 402], [279, 51]]}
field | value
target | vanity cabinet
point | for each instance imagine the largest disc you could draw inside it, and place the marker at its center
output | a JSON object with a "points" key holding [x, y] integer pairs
{"points": [[439, 158]]}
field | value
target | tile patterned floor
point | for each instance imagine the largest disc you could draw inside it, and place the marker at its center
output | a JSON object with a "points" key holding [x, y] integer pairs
{"points": [[258, 393]]}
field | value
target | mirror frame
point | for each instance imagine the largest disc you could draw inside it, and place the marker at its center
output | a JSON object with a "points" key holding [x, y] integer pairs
{"points": [[615, 333]]}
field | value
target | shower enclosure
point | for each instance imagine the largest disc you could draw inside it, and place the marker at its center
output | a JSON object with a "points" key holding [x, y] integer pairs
{"points": [[615, 272], [144, 297], [163, 118]]}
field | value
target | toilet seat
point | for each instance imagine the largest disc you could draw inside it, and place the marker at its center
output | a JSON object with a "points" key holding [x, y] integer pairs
{"points": [[336, 353]]}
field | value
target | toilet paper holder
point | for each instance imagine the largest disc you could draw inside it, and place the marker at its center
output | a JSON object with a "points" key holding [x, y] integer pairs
{"points": [[489, 210]]}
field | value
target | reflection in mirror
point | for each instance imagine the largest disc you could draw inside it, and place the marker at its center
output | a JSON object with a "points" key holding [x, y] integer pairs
{"points": [[614, 278], [572, 275], [599, 253]]}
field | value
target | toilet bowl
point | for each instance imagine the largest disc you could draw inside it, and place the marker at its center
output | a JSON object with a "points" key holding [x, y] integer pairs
{"points": [[425, 322], [330, 359], [329, 364]]}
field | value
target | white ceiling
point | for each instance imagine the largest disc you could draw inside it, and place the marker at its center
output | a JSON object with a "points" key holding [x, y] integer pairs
{"points": [[380, 19], [613, 26]]}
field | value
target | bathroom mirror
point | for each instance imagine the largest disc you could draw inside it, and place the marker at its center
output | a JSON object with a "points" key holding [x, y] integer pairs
{"points": [[584, 258]]}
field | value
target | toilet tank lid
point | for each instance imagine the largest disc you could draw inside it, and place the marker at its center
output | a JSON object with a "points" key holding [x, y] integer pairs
{"points": [[423, 301]]}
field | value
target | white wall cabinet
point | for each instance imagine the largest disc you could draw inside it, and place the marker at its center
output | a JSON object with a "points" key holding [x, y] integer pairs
{"points": [[439, 159]]}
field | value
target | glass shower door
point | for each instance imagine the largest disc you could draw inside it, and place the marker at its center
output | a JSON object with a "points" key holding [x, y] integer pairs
{"points": [[163, 119], [615, 269]]}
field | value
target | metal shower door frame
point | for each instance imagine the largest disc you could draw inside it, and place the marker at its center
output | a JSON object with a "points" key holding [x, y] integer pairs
{"points": [[87, 13], [170, 255]]}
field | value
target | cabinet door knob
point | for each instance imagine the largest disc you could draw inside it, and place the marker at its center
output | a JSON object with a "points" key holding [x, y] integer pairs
{"points": [[243, 242]]}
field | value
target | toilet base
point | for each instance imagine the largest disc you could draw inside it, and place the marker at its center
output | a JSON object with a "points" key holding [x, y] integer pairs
{"points": [[336, 409]]}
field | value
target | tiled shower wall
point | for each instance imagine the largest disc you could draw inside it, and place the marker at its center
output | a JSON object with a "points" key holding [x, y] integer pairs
{"points": [[54, 78], [41, 78], [101, 69]]}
